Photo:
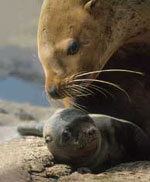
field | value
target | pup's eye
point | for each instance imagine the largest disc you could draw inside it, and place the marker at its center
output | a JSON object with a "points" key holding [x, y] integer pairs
{"points": [[66, 135], [73, 47]]}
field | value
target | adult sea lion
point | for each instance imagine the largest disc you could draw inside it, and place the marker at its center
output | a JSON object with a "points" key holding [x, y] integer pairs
{"points": [[76, 36]]}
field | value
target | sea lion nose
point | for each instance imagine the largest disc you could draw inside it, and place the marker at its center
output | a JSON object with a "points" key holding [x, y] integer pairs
{"points": [[91, 131], [53, 92]]}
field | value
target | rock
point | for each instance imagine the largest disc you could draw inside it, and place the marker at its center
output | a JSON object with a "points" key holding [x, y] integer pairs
{"points": [[58, 170], [137, 171], [28, 160], [23, 111], [22, 115], [23, 159], [3, 111]]}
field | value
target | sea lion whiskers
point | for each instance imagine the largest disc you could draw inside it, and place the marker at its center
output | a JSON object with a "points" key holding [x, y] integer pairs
{"points": [[72, 91], [99, 90], [110, 70], [81, 88], [67, 93], [62, 88], [82, 95], [104, 82], [76, 74], [73, 78], [102, 90], [75, 105], [79, 107], [77, 93]]}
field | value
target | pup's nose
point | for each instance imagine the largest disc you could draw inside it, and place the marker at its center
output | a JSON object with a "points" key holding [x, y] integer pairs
{"points": [[91, 131], [53, 92]]}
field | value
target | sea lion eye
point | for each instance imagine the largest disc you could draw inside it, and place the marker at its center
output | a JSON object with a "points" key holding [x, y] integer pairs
{"points": [[66, 135], [73, 47]]}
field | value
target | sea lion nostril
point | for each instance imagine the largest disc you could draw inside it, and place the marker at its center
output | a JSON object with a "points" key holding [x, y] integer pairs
{"points": [[91, 131], [53, 92]]}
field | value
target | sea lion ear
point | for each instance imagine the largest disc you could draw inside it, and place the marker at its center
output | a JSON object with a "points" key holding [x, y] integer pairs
{"points": [[90, 5]]}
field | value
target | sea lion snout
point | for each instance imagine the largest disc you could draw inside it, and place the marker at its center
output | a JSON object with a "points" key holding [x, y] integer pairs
{"points": [[53, 92], [88, 135], [91, 131]]}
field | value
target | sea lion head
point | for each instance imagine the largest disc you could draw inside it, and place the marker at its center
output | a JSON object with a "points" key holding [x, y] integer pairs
{"points": [[69, 43], [72, 137]]}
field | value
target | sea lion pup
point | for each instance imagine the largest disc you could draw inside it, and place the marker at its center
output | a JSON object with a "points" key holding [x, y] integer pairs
{"points": [[93, 141], [76, 36]]}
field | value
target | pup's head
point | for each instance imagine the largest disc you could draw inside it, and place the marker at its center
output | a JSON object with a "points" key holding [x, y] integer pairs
{"points": [[72, 137]]}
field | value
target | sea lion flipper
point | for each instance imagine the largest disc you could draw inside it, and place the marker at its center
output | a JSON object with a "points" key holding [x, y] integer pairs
{"points": [[35, 129]]}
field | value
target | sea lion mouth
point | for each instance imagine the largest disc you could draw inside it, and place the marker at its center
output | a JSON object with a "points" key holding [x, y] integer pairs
{"points": [[84, 154]]}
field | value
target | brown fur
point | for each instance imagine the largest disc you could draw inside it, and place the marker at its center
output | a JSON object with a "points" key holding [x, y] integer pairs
{"points": [[102, 29]]}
